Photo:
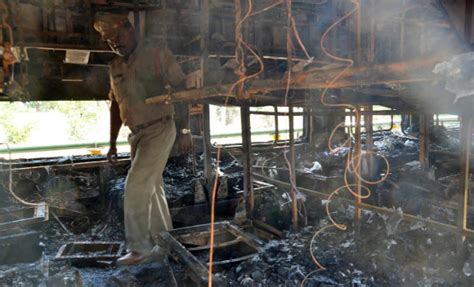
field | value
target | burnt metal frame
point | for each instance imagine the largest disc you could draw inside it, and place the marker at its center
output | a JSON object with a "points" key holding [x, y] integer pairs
{"points": [[305, 80], [198, 270], [40, 214], [60, 255]]}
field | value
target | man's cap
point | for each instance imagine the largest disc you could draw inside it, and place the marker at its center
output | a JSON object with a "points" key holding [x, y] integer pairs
{"points": [[108, 24]]}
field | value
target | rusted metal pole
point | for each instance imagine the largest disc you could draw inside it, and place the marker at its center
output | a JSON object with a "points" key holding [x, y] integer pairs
{"points": [[369, 140], [206, 137], [204, 31], [277, 125], [424, 142], [239, 50], [247, 160], [467, 123], [358, 166], [292, 159]]}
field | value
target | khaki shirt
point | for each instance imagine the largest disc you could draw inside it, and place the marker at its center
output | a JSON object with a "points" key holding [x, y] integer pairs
{"points": [[145, 74]]}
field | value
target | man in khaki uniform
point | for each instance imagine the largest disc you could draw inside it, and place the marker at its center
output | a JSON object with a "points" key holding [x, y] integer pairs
{"points": [[137, 73]]}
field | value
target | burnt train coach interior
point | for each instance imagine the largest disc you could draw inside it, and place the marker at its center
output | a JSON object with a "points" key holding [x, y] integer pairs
{"points": [[332, 144]]}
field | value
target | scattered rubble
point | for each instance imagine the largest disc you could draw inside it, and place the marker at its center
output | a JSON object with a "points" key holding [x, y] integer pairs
{"points": [[87, 205]]}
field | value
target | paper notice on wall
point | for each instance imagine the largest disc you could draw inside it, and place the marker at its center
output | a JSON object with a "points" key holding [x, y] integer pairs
{"points": [[77, 57]]}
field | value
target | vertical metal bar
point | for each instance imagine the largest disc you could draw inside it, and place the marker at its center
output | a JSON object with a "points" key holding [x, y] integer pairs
{"points": [[206, 137], [369, 142], [424, 145], [466, 141], [240, 54], [351, 126], [358, 165], [247, 160], [277, 125], [204, 31], [307, 123], [292, 159]]}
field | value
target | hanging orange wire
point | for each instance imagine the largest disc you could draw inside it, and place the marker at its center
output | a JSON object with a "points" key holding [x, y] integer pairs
{"points": [[348, 142], [354, 157], [240, 55], [213, 205]]}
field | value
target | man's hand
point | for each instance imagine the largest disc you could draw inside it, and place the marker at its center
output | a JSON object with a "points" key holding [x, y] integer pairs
{"points": [[112, 155], [185, 143]]}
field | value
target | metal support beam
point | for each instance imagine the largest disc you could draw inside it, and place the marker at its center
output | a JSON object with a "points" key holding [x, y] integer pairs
{"points": [[424, 141], [240, 51], [206, 137], [292, 159], [369, 140], [247, 160], [467, 123], [394, 73], [204, 31], [277, 125], [358, 167]]}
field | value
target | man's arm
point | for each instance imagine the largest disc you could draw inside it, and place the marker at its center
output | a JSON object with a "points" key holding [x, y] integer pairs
{"points": [[115, 125], [184, 136]]}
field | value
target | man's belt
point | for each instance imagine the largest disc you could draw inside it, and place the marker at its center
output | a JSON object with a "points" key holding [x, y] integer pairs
{"points": [[136, 129]]}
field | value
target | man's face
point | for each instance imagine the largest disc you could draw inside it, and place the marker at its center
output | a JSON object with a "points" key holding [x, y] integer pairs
{"points": [[124, 41]]}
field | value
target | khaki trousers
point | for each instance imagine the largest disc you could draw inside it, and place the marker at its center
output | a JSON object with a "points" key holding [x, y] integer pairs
{"points": [[145, 206]]}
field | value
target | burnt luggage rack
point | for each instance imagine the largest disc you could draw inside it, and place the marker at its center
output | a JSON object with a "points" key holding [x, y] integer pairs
{"points": [[190, 246], [26, 216], [86, 253]]}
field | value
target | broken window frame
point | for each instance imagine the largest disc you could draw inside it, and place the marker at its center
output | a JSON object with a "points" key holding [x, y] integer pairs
{"points": [[276, 114]]}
